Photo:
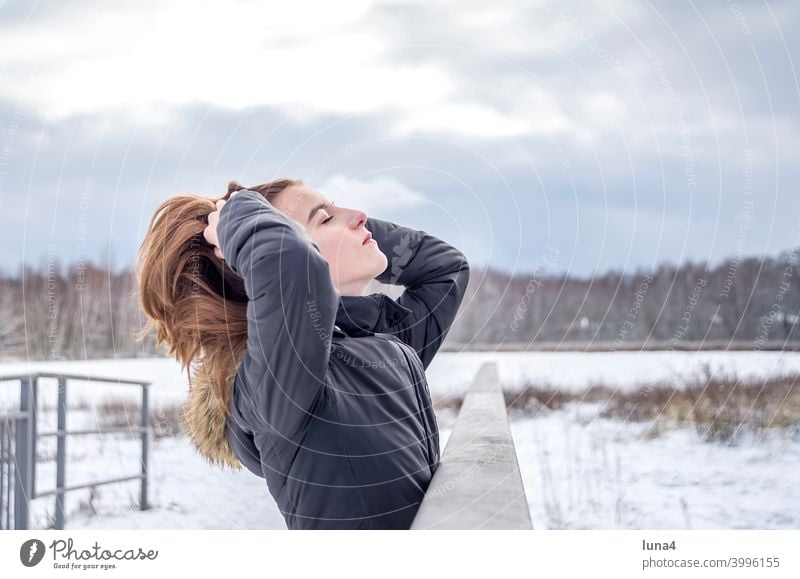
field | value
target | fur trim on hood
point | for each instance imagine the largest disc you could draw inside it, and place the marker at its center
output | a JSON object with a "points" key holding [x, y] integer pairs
{"points": [[203, 420]]}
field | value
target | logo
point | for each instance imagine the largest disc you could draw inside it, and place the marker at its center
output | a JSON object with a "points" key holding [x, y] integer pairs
{"points": [[31, 552]]}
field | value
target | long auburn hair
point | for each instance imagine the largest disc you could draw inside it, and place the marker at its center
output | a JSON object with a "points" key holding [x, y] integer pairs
{"points": [[193, 300]]}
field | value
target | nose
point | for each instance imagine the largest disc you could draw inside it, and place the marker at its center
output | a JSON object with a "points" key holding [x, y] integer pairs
{"points": [[359, 219]]}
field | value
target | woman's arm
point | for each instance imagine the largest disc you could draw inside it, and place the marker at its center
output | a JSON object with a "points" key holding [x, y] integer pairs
{"points": [[435, 275], [290, 314]]}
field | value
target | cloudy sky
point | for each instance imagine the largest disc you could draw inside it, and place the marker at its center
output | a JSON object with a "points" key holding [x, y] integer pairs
{"points": [[554, 136]]}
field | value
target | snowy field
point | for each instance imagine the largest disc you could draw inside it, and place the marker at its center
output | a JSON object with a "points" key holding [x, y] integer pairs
{"points": [[584, 472], [449, 374], [580, 471]]}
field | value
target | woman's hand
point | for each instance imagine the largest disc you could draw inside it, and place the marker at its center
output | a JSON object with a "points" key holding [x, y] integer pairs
{"points": [[210, 232]]}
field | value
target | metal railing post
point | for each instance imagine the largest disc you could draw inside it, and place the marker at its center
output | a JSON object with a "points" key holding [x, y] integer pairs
{"points": [[61, 452], [5, 467], [34, 429], [145, 423], [22, 467]]}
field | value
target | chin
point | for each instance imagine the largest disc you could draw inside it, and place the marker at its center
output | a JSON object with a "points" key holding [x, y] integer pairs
{"points": [[383, 262]]}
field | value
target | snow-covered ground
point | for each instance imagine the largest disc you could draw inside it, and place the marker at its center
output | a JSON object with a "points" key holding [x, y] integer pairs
{"points": [[584, 472], [574, 371], [579, 471], [448, 374]]}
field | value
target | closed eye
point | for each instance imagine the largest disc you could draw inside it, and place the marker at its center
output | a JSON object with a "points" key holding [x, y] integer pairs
{"points": [[326, 220]]}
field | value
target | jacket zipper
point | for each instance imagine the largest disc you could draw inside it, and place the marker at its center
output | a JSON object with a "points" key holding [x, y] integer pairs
{"points": [[427, 426]]}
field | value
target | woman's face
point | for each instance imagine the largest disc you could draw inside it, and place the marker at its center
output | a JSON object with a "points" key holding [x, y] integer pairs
{"points": [[340, 233]]}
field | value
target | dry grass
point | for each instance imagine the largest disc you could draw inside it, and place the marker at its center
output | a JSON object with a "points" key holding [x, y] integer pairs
{"points": [[164, 420], [530, 400], [719, 407]]}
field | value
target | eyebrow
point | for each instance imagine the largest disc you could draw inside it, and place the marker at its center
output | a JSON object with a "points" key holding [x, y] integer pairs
{"points": [[317, 208]]}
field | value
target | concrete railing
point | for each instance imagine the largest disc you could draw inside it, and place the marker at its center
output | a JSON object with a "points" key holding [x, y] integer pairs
{"points": [[477, 484]]}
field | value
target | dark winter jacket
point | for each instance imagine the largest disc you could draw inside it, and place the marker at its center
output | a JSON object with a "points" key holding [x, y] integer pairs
{"points": [[330, 403]]}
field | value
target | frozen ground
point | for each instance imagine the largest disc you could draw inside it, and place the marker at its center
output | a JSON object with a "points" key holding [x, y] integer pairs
{"points": [[450, 373], [580, 471], [585, 472]]}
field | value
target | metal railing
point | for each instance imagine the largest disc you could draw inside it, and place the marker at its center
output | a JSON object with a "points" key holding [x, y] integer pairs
{"points": [[478, 483], [18, 440]]}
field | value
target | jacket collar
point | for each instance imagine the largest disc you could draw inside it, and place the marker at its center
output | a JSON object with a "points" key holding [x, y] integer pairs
{"points": [[370, 314]]}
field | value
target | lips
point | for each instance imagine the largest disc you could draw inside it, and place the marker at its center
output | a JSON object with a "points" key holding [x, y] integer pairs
{"points": [[367, 239]]}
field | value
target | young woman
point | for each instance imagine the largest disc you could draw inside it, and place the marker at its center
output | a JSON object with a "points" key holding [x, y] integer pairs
{"points": [[297, 373]]}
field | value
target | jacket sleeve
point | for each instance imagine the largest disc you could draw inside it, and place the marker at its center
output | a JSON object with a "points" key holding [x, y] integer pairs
{"points": [[435, 275], [291, 311]]}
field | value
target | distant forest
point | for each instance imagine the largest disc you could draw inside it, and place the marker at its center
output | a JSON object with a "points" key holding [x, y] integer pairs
{"points": [[72, 312]]}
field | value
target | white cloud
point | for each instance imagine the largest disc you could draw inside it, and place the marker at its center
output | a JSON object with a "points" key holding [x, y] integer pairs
{"points": [[525, 111], [309, 55], [464, 70], [303, 57], [366, 194]]}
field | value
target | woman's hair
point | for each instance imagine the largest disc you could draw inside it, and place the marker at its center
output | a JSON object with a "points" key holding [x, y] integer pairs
{"points": [[194, 301]]}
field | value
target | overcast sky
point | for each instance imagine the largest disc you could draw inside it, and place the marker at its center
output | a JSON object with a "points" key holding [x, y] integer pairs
{"points": [[616, 134]]}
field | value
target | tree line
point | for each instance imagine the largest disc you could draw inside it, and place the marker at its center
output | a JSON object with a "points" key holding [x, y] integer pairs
{"points": [[82, 311]]}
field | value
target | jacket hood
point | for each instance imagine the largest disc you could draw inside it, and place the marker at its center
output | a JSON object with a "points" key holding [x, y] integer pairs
{"points": [[204, 416]]}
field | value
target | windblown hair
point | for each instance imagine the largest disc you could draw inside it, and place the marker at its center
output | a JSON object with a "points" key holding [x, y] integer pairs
{"points": [[193, 300]]}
